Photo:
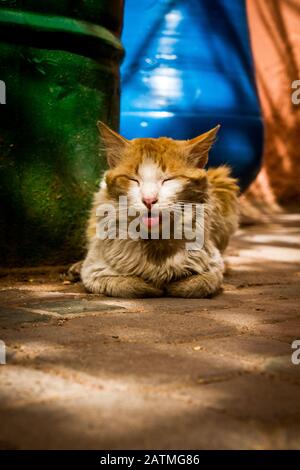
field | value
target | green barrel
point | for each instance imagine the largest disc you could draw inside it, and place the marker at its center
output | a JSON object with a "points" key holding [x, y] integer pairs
{"points": [[59, 60]]}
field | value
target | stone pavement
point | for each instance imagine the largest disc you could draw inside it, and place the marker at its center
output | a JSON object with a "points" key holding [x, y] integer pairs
{"points": [[86, 371]]}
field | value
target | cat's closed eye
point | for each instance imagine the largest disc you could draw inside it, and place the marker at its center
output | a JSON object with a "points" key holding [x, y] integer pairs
{"points": [[133, 179], [168, 179], [128, 178]]}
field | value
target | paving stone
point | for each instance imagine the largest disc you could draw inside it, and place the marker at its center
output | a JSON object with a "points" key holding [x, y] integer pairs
{"points": [[251, 350], [11, 317], [149, 364], [72, 307], [139, 327], [285, 331], [252, 396], [249, 316]]}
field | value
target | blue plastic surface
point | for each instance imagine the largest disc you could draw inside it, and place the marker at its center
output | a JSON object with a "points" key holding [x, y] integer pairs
{"points": [[188, 67]]}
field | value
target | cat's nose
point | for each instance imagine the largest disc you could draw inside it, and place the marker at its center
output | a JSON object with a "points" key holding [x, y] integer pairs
{"points": [[149, 201]]}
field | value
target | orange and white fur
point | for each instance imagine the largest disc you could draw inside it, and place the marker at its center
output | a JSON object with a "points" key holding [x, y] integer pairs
{"points": [[156, 173]]}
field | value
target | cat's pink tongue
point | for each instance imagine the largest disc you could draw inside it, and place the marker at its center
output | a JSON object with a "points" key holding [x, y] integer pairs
{"points": [[150, 221]]}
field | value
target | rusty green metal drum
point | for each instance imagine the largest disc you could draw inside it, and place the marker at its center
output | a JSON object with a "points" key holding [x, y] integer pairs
{"points": [[60, 64]]}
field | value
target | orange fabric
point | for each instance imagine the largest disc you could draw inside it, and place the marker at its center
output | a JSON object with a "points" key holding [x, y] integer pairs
{"points": [[275, 38]]}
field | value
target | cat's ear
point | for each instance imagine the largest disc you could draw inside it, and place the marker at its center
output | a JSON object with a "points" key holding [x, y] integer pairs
{"points": [[114, 144], [197, 149]]}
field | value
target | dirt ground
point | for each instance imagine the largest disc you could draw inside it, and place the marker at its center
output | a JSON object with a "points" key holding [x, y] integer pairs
{"points": [[86, 371]]}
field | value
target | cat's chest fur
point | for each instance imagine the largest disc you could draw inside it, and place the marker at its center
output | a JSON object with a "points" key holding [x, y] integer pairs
{"points": [[131, 258]]}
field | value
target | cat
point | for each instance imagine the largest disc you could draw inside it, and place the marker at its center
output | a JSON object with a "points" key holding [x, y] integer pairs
{"points": [[156, 174]]}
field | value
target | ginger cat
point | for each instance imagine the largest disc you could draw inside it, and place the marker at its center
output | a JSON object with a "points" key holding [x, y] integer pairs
{"points": [[155, 174]]}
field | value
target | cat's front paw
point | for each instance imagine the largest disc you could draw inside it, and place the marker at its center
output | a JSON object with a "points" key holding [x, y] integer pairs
{"points": [[198, 286], [73, 273], [122, 286]]}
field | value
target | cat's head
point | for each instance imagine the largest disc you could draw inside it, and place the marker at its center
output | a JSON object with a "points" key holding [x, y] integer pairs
{"points": [[155, 174]]}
